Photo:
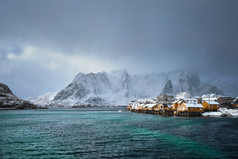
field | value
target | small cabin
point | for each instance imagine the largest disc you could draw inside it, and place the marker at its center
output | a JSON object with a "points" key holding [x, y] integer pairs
{"points": [[177, 103], [163, 106], [210, 105], [139, 107], [185, 107]]}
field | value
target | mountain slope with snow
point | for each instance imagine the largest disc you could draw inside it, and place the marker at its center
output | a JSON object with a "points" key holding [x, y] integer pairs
{"points": [[43, 100], [228, 89], [119, 87], [9, 101]]}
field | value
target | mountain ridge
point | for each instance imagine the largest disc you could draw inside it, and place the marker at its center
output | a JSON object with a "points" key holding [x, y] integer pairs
{"points": [[119, 87]]}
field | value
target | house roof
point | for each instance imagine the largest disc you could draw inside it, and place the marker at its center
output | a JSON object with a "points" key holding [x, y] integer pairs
{"points": [[193, 105], [175, 101], [150, 105], [207, 99], [212, 102], [180, 101]]}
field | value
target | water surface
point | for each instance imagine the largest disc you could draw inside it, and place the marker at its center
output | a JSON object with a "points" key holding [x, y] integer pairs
{"points": [[90, 133]]}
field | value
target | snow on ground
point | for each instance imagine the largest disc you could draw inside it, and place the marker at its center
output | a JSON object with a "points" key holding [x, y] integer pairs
{"points": [[221, 112]]}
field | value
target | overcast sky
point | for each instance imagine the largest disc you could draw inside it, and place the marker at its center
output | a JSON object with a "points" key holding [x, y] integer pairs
{"points": [[44, 44]]}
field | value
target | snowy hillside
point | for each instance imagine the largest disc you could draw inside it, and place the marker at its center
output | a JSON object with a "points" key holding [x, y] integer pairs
{"points": [[119, 87], [228, 89], [43, 100], [9, 101]]}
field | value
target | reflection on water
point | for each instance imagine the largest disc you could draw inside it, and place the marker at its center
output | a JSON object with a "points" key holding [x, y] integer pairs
{"points": [[111, 134]]}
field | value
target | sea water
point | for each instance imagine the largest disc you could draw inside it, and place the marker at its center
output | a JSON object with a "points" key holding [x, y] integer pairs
{"points": [[108, 133]]}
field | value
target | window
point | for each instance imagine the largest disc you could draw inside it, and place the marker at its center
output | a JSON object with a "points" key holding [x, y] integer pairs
{"points": [[191, 108], [200, 108]]}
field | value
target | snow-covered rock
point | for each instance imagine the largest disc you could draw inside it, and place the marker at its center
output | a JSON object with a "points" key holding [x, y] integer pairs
{"points": [[119, 87], [9, 101], [223, 112]]}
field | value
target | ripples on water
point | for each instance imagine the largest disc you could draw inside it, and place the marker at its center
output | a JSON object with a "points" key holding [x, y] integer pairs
{"points": [[111, 134]]}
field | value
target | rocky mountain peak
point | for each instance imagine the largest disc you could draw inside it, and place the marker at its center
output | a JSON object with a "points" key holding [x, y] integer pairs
{"points": [[9, 101], [5, 89], [168, 88]]}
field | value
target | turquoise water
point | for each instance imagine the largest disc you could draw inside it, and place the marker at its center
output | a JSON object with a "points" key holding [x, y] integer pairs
{"points": [[88, 133]]}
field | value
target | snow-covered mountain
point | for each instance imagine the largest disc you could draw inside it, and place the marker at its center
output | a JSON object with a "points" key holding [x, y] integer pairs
{"points": [[43, 100], [119, 87], [227, 88]]}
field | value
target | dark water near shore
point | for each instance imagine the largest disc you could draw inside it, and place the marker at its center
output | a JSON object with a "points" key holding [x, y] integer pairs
{"points": [[82, 133]]}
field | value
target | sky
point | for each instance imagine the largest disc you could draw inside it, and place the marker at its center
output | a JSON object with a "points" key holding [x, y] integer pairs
{"points": [[44, 44]]}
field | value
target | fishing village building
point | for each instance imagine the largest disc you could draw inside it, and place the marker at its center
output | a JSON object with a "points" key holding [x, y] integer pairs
{"points": [[210, 105], [165, 105], [189, 109]]}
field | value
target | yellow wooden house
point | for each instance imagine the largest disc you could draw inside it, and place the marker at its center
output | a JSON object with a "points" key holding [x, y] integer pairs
{"points": [[177, 103], [210, 105], [163, 106], [140, 107], [190, 108], [156, 108]]}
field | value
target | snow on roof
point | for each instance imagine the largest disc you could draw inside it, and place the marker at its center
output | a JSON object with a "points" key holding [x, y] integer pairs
{"points": [[193, 105], [180, 101], [207, 99], [175, 101], [150, 105], [211, 102]]}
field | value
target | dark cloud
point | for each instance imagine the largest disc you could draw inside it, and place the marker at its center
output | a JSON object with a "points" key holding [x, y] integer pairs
{"points": [[139, 35]]}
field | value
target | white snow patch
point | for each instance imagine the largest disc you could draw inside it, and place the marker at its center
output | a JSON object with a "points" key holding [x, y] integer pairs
{"points": [[222, 111]]}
